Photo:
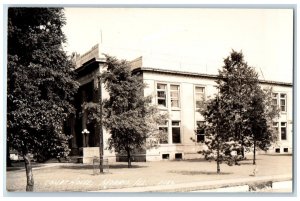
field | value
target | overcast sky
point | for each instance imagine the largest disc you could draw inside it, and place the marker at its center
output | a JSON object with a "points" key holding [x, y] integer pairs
{"points": [[191, 39]]}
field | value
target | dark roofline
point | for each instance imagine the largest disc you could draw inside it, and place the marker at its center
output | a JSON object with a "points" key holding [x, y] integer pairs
{"points": [[86, 65], [208, 76]]}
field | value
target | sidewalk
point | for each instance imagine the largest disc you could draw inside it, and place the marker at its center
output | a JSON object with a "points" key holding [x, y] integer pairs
{"points": [[160, 176], [207, 185]]}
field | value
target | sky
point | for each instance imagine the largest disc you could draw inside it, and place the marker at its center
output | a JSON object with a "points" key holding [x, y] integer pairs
{"points": [[187, 39]]}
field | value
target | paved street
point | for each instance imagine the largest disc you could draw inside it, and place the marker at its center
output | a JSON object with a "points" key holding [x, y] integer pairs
{"points": [[168, 175]]}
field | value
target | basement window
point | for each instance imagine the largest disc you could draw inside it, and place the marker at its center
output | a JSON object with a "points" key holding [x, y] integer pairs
{"points": [[178, 156], [285, 150], [165, 156], [277, 150]]}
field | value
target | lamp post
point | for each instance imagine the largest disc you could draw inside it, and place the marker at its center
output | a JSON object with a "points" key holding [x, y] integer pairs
{"points": [[85, 133]]}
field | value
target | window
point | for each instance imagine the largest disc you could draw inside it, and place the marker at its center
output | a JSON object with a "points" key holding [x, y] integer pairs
{"points": [[283, 102], [200, 131], [163, 133], [283, 130], [174, 94], [165, 156], [279, 100], [178, 156], [275, 126], [274, 99], [199, 96], [176, 132], [282, 135], [161, 95]]}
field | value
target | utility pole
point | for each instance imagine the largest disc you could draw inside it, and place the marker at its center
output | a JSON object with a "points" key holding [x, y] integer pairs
{"points": [[218, 135], [101, 124], [101, 114]]}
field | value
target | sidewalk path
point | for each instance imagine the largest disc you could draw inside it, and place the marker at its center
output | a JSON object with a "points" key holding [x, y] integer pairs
{"points": [[204, 185]]}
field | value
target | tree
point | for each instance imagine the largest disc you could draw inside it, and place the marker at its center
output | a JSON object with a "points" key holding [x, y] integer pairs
{"points": [[128, 114], [40, 85], [219, 145], [248, 104], [237, 85], [260, 114], [246, 108]]}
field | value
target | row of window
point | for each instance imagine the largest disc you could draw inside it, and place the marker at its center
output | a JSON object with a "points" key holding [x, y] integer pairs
{"points": [[200, 135], [176, 137], [162, 91], [281, 135], [278, 99]]}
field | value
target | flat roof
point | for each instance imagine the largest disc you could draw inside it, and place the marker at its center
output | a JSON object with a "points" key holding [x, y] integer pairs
{"points": [[202, 75], [176, 72]]}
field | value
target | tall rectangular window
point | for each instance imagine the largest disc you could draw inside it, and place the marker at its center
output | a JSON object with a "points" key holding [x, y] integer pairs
{"points": [[174, 94], [163, 133], [283, 130], [275, 126], [283, 102], [162, 95], [176, 132], [200, 131], [279, 100], [199, 96], [274, 99]]}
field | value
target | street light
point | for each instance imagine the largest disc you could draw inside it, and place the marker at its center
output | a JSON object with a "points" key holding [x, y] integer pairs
{"points": [[85, 133]]}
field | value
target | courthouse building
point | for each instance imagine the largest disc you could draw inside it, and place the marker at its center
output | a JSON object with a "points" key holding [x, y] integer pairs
{"points": [[176, 92]]}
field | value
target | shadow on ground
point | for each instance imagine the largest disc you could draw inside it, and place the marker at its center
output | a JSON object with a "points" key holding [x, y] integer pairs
{"points": [[202, 160], [191, 160], [248, 161], [184, 172], [21, 166], [89, 166]]}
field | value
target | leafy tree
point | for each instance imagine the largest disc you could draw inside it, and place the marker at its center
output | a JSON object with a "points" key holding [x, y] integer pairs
{"points": [[243, 115], [40, 85], [250, 108], [128, 114], [219, 145], [260, 116], [237, 85]]}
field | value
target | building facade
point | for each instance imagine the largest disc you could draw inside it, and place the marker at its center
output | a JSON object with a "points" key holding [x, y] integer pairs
{"points": [[175, 92], [180, 94]]}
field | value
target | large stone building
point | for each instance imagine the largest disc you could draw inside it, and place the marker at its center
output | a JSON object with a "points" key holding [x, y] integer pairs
{"points": [[175, 92]]}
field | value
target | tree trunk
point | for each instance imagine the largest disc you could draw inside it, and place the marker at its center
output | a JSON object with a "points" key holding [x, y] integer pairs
{"points": [[243, 152], [8, 161], [243, 148], [29, 175], [218, 166], [129, 158], [254, 153], [218, 159]]}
